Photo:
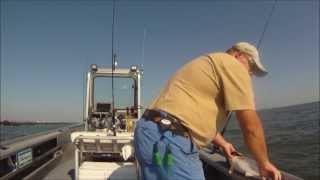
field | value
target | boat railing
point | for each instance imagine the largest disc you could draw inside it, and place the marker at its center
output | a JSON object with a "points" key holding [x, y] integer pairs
{"points": [[61, 129], [25, 154]]}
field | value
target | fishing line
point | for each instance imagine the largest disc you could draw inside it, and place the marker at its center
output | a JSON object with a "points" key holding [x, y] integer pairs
{"points": [[266, 24]]}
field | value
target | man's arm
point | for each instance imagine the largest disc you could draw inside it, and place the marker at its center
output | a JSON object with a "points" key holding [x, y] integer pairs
{"points": [[219, 140], [254, 138], [253, 134]]}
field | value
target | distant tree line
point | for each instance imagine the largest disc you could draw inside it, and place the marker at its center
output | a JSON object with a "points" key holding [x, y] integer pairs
{"points": [[15, 123]]}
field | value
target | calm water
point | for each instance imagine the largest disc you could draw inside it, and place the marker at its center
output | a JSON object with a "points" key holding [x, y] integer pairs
{"points": [[11, 132], [292, 135]]}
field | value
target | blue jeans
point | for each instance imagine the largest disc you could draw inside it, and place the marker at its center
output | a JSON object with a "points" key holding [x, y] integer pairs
{"points": [[186, 162]]}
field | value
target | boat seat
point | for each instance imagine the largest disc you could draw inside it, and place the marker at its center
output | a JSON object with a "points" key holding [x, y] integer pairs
{"points": [[100, 142], [93, 135]]}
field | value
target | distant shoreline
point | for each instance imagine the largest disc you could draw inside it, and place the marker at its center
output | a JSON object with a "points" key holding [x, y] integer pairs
{"points": [[15, 123]]}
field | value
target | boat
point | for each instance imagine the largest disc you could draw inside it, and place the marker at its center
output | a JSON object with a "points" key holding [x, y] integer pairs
{"points": [[101, 146]]}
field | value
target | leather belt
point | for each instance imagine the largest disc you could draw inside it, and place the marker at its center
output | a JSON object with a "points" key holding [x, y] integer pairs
{"points": [[166, 122]]}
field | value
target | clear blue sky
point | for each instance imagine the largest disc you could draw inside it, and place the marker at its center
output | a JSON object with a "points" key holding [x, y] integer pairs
{"points": [[46, 47]]}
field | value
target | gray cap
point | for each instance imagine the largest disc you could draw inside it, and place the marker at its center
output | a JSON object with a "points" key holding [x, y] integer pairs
{"points": [[251, 50]]}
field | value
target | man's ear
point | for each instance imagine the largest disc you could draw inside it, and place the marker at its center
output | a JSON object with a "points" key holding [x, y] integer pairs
{"points": [[237, 54]]}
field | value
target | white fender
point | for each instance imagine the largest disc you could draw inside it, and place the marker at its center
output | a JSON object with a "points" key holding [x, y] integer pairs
{"points": [[127, 152]]}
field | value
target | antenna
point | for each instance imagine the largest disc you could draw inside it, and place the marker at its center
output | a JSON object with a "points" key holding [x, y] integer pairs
{"points": [[266, 24], [1, 91], [143, 45]]}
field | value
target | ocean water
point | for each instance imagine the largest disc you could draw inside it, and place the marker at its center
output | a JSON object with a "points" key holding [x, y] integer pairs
{"points": [[11, 132], [292, 135]]}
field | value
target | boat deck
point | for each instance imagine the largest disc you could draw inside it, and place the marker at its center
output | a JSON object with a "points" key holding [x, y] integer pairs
{"points": [[65, 169], [91, 170]]}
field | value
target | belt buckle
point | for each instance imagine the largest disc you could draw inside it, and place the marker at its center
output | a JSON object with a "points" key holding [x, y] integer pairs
{"points": [[165, 124]]}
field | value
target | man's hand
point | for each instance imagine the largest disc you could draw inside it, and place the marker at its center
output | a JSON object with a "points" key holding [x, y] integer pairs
{"points": [[228, 149], [226, 146], [269, 170]]}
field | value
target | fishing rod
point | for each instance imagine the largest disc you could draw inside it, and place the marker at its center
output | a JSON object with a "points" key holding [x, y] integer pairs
{"points": [[214, 147], [258, 45], [229, 115], [266, 24], [113, 56], [227, 122]]}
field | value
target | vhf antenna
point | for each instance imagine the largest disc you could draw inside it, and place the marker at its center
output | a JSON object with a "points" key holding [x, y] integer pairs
{"points": [[143, 45]]}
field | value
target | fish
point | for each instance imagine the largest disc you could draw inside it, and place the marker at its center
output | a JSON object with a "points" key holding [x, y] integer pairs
{"points": [[244, 165]]}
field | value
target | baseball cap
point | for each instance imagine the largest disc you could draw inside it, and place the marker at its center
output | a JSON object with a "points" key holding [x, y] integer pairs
{"points": [[245, 47]]}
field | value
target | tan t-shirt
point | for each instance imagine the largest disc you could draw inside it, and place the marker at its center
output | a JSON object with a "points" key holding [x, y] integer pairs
{"points": [[203, 91]]}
